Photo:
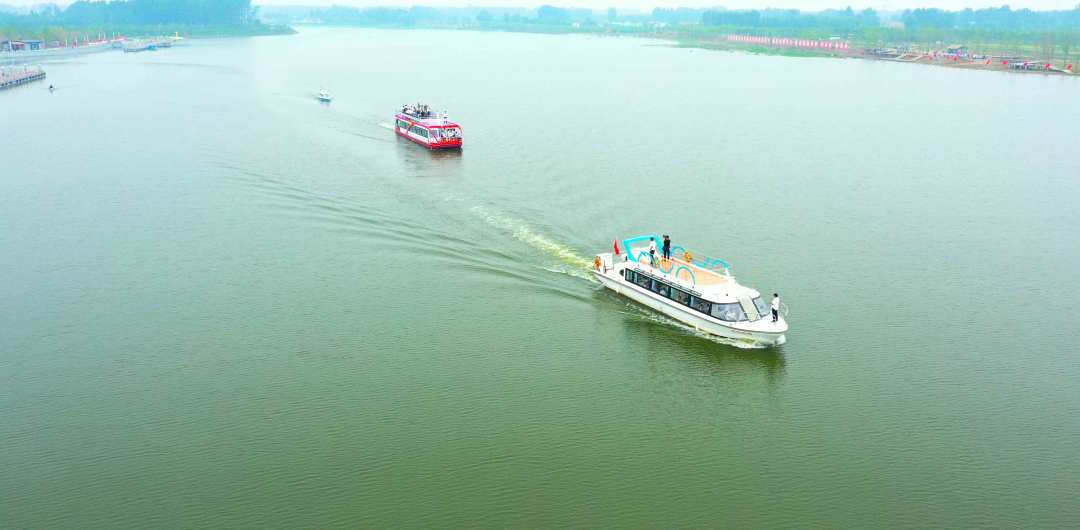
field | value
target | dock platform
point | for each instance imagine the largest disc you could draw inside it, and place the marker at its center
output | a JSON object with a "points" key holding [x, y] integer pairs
{"points": [[13, 77]]}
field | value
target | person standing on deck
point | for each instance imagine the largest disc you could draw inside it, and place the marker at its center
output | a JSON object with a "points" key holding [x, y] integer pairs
{"points": [[667, 248], [652, 251], [775, 307]]}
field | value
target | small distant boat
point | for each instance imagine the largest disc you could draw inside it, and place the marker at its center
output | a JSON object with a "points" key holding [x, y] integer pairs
{"points": [[692, 291], [421, 125], [325, 96]]}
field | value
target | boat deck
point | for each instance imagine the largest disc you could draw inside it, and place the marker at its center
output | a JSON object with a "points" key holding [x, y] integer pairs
{"points": [[702, 277], [433, 121]]}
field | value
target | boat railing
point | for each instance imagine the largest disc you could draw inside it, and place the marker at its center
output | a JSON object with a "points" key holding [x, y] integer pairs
{"points": [[704, 263], [646, 268], [708, 266]]}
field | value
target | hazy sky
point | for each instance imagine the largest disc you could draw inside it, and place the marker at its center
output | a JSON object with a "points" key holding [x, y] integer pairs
{"points": [[649, 4], [730, 4]]}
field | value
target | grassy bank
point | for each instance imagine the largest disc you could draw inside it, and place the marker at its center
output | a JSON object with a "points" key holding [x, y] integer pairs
{"points": [[1058, 53], [757, 50]]}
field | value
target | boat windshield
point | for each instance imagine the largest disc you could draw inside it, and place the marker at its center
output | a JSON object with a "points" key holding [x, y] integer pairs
{"points": [[734, 312], [728, 312], [762, 307]]}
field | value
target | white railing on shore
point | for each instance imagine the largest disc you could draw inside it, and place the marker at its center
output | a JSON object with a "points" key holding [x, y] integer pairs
{"points": [[16, 73]]}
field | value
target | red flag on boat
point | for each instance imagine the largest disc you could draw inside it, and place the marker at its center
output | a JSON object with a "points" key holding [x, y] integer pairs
{"points": [[615, 243], [1068, 67]]}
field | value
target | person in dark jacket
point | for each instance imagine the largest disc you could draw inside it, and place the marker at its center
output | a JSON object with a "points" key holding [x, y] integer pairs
{"points": [[667, 247]]}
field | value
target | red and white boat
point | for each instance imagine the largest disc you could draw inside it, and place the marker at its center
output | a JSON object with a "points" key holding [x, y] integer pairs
{"points": [[427, 128]]}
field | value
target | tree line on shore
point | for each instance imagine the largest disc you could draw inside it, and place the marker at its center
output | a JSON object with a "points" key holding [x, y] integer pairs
{"points": [[867, 27], [119, 14], [1000, 30], [1003, 18], [1021, 30]]}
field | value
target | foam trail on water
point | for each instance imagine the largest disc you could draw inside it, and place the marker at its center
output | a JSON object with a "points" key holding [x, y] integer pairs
{"points": [[572, 264], [576, 272], [387, 125]]}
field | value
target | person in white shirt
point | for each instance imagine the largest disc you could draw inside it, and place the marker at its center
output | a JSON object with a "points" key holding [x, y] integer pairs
{"points": [[775, 307], [652, 251]]}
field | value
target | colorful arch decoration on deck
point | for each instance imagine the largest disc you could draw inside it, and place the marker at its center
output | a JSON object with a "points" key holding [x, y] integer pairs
{"points": [[705, 262]]}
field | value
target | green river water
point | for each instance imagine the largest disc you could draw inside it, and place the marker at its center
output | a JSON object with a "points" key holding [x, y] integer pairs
{"points": [[227, 305]]}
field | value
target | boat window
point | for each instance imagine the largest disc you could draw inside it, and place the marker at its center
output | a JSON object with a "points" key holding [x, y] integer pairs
{"points": [[661, 289], [680, 296], [702, 305], [762, 307], [728, 312], [643, 281]]}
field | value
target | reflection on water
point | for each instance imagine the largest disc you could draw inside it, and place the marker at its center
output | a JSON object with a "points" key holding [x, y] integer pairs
{"points": [[669, 341], [423, 162]]}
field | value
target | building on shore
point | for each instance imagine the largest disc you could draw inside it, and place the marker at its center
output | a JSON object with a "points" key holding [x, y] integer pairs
{"points": [[11, 45]]}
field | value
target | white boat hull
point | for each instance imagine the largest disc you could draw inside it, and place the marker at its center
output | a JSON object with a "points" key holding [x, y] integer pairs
{"points": [[688, 316]]}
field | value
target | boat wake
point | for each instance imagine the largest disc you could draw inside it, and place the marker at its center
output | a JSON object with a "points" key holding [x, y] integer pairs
{"points": [[569, 261], [576, 272]]}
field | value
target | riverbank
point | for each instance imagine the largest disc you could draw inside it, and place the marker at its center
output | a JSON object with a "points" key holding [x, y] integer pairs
{"points": [[260, 30], [756, 50], [98, 42], [992, 56], [954, 56], [51, 37], [87, 47]]}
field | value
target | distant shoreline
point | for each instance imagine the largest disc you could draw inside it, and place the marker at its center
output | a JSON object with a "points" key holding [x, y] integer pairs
{"points": [[142, 32], [719, 42], [50, 37], [988, 64]]}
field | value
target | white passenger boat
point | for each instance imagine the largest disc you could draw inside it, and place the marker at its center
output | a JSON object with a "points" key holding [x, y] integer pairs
{"points": [[698, 291], [325, 96]]}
